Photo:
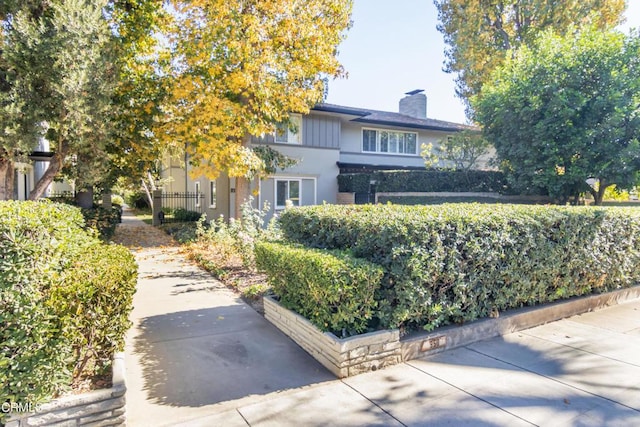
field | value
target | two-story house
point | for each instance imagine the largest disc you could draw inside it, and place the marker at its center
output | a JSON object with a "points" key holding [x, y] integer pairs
{"points": [[330, 140]]}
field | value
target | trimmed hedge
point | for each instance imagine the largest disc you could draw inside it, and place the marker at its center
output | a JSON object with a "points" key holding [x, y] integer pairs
{"points": [[460, 262], [59, 288], [424, 181], [335, 291], [104, 221]]}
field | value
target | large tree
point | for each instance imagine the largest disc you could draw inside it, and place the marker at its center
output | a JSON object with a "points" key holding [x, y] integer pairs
{"points": [[243, 67], [88, 76], [567, 111], [480, 34], [59, 78]]}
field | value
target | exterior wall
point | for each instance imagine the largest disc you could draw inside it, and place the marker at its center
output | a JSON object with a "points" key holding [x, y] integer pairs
{"points": [[316, 168], [351, 150], [318, 131]]}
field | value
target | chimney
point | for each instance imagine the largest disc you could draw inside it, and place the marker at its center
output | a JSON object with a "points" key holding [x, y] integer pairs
{"points": [[414, 104]]}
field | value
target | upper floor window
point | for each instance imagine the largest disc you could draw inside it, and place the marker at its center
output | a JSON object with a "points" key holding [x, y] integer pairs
{"points": [[389, 141], [289, 133]]}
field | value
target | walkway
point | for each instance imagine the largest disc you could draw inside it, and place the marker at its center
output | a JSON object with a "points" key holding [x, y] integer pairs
{"points": [[198, 356]]}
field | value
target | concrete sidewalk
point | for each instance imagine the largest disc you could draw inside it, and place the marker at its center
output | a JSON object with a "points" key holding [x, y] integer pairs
{"points": [[198, 356]]}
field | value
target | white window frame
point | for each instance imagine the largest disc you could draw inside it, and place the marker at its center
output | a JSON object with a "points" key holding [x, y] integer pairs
{"points": [[398, 142], [197, 191], [213, 194], [288, 180], [291, 137]]}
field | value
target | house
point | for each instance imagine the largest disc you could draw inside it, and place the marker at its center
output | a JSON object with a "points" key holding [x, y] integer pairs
{"points": [[330, 140]]}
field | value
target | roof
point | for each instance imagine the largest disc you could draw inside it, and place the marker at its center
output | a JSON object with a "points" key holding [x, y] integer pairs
{"points": [[388, 118]]}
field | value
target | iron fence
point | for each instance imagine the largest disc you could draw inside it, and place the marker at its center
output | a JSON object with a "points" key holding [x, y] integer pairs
{"points": [[182, 206]]}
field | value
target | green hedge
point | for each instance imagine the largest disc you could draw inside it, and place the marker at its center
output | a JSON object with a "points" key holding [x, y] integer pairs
{"points": [[45, 251], [424, 181], [456, 263], [335, 291], [104, 221]]}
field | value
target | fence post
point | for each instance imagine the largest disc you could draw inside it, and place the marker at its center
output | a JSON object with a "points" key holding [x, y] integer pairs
{"points": [[157, 207], [106, 199]]}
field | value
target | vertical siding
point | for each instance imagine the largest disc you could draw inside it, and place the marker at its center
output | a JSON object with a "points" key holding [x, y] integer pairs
{"points": [[320, 131]]}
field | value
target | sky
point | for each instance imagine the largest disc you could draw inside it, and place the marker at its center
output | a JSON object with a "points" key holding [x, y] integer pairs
{"points": [[393, 48]]}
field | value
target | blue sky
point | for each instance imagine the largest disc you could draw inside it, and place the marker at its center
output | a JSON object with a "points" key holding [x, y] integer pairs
{"points": [[394, 47]]}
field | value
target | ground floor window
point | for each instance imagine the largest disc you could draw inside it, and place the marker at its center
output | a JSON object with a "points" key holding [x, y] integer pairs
{"points": [[287, 189], [197, 190]]}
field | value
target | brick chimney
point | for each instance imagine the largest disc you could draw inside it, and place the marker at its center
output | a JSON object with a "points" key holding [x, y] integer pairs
{"points": [[414, 104]]}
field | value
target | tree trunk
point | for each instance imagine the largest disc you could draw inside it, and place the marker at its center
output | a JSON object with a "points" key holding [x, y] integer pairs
{"points": [[6, 178], [55, 164], [599, 195], [243, 189]]}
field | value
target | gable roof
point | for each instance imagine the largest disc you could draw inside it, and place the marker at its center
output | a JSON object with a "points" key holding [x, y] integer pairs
{"points": [[388, 118]]}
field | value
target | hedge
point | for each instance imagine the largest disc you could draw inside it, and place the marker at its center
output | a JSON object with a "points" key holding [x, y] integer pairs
{"points": [[335, 291], [456, 263], [103, 220], [424, 181], [55, 276]]}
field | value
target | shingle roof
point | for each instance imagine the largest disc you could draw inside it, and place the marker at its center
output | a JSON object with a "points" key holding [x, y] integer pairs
{"points": [[388, 118]]}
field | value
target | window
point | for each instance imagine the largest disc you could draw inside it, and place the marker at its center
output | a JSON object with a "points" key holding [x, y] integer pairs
{"points": [[388, 141], [287, 189], [213, 195], [289, 133], [197, 191]]}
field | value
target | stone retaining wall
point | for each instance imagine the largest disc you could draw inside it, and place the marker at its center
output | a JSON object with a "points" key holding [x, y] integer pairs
{"points": [[375, 350], [96, 408], [344, 357]]}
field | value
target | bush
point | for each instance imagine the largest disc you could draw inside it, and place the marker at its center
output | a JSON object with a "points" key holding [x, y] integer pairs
{"points": [[93, 300], [103, 220], [137, 200], [332, 289], [184, 215], [424, 181], [43, 248], [457, 263]]}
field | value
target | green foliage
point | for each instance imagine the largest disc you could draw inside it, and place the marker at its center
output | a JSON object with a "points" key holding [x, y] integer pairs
{"points": [[457, 263], [185, 215], [424, 181], [62, 293], [566, 110], [93, 301], [104, 221], [480, 34], [461, 151], [332, 289]]}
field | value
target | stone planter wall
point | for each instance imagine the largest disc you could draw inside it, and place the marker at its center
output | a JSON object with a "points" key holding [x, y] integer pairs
{"points": [[344, 357], [375, 350], [96, 408]]}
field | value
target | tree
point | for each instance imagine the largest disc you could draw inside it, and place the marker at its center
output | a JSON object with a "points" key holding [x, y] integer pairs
{"points": [[566, 111], [58, 77], [461, 151], [144, 79], [243, 67], [481, 34]]}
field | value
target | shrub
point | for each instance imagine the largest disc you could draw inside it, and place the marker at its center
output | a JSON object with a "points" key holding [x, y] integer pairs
{"points": [[44, 248], [456, 263], [103, 220], [184, 215], [94, 299], [138, 200], [332, 289], [424, 181]]}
